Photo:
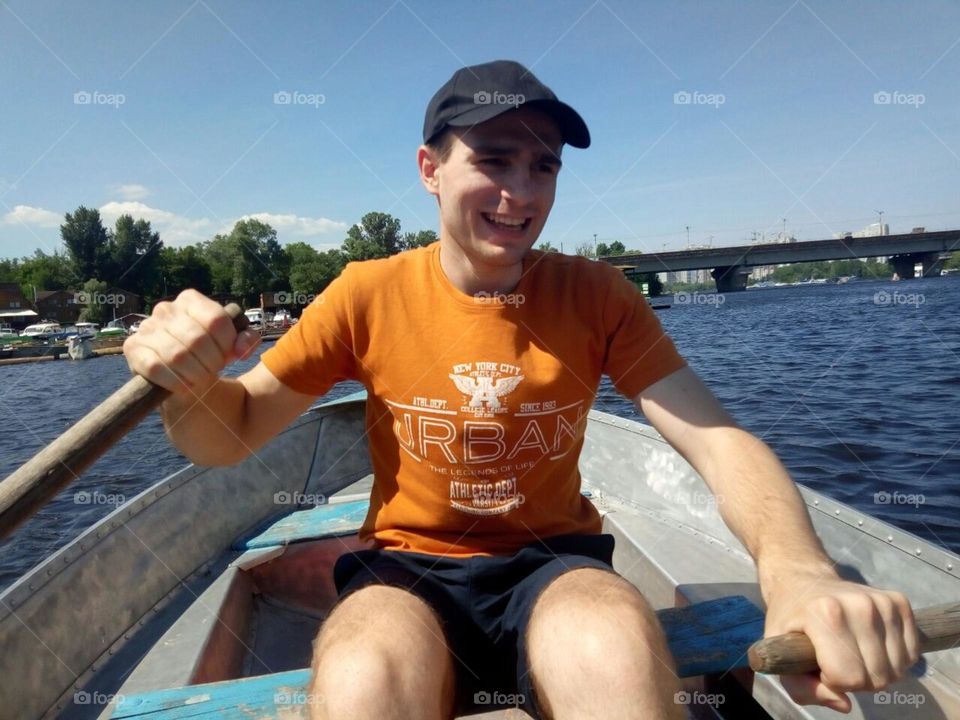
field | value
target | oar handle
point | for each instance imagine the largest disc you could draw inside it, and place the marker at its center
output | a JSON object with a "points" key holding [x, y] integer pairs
{"points": [[27, 489], [792, 654]]}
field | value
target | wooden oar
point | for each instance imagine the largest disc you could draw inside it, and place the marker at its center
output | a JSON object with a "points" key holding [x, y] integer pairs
{"points": [[792, 654], [26, 490], [721, 635]]}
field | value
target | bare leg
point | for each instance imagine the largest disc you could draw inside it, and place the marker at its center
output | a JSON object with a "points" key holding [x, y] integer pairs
{"points": [[381, 655], [596, 651]]}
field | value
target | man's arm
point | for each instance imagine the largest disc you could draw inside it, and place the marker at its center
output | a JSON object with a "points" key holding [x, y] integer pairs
{"points": [[183, 346], [864, 638]]}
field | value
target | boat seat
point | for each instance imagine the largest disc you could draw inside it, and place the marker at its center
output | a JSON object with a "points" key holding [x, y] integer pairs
{"points": [[707, 637], [323, 521]]}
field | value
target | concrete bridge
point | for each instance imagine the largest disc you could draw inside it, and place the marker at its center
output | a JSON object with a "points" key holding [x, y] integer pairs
{"points": [[731, 265]]}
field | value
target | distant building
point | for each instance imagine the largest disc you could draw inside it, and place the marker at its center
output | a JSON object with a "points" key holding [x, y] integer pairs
{"points": [[65, 306], [871, 230], [14, 308], [58, 305]]}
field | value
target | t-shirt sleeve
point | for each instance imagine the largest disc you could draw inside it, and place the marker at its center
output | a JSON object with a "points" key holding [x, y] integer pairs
{"points": [[639, 352], [318, 351]]}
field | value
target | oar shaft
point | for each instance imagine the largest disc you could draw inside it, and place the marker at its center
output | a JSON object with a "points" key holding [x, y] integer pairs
{"points": [[793, 653], [27, 489]]}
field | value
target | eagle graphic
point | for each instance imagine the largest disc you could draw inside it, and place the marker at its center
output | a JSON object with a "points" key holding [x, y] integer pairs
{"points": [[485, 389]]}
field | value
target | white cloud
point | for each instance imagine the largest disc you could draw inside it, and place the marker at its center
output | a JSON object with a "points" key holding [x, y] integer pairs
{"points": [[299, 227], [27, 215], [174, 229], [132, 191]]}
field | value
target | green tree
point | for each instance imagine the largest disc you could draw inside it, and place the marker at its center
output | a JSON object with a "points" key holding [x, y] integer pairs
{"points": [[603, 250], [135, 256], [376, 235], [44, 272], [419, 239], [312, 271], [220, 254], [617, 248], [260, 263], [585, 250], [182, 268], [248, 261], [546, 247], [96, 309], [953, 263], [87, 242]]}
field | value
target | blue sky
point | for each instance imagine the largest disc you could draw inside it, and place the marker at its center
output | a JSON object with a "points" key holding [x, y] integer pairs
{"points": [[784, 119]]}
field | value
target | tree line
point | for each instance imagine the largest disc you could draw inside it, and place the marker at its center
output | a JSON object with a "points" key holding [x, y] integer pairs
{"points": [[240, 264]]}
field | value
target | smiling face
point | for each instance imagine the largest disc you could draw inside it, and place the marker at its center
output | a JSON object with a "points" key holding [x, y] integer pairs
{"points": [[495, 187]]}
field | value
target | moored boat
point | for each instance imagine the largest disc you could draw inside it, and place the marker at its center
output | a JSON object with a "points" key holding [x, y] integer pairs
{"points": [[200, 597]]}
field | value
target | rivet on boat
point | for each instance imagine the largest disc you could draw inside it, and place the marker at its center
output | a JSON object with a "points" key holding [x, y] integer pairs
{"points": [[949, 566], [860, 522], [816, 502], [889, 538], [836, 512], [918, 551]]}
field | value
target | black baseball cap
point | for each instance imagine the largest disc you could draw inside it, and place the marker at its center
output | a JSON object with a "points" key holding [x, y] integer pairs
{"points": [[479, 93]]}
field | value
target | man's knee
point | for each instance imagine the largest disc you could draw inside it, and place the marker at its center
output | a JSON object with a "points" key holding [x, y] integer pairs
{"points": [[592, 634], [370, 654], [596, 610]]}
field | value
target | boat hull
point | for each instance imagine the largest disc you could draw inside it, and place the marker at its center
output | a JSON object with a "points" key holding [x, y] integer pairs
{"points": [[129, 606]]}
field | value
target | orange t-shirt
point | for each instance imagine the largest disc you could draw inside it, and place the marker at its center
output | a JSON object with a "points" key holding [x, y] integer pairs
{"points": [[476, 405]]}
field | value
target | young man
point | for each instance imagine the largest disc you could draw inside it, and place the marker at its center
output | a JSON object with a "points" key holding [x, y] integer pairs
{"points": [[481, 358]]}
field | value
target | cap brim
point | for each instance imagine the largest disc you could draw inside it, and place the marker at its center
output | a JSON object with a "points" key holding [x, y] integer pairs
{"points": [[573, 130]]}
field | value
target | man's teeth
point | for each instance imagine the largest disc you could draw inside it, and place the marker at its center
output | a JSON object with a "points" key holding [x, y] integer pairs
{"points": [[506, 220]]}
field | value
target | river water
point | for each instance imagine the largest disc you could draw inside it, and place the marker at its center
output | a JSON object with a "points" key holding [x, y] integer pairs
{"points": [[856, 387]]}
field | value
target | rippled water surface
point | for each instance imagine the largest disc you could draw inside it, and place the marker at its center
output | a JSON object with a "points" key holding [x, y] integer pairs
{"points": [[855, 386]]}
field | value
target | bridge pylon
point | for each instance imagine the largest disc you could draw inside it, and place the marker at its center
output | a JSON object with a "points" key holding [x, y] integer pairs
{"points": [[731, 279]]}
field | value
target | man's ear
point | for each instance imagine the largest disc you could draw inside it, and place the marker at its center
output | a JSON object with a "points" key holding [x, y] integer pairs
{"points": [[429, 166]]}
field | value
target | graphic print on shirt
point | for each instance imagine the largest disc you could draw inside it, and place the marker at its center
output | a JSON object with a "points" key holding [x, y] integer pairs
{"points": [[486, 435]]}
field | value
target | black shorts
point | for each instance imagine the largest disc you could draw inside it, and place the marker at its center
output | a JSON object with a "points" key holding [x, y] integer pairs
{"points": [[484, 605]]}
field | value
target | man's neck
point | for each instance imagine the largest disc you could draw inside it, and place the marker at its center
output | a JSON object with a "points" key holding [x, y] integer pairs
{"points": [[471, 278]]}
